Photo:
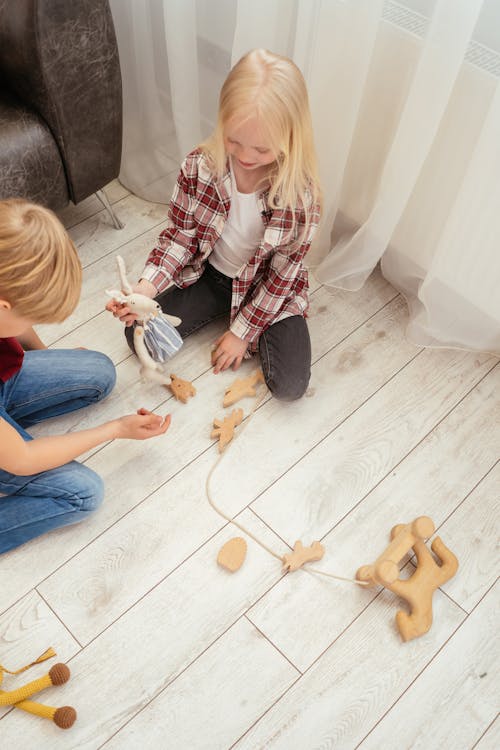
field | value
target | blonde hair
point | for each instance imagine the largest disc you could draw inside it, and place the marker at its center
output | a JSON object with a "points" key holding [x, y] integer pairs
{"points": [[40, 272], [272, 88]]}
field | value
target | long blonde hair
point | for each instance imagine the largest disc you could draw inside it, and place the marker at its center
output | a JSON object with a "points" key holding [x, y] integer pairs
{"points": [[272, 88], [40, 272]]}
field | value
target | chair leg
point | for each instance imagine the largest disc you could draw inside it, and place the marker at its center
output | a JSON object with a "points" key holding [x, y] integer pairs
{"points": [[109, 208]]}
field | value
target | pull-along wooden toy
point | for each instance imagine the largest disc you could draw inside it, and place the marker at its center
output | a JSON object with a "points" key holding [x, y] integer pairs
{"points": [[419, 588], [63, 717]]}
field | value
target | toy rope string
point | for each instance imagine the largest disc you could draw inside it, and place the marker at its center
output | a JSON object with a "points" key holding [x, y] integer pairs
{"points": [[243, 528], [46, 655]]}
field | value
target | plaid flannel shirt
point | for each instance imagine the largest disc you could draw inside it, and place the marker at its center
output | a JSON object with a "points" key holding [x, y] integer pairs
{"points": [[271, 286]]}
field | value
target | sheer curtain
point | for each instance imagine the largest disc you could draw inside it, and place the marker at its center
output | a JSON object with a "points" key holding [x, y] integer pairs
{"points": [[405, 100]]}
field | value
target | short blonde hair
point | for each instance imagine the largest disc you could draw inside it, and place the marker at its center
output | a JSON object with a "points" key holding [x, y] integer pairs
{"points": [[40, 271], [272, 88]]}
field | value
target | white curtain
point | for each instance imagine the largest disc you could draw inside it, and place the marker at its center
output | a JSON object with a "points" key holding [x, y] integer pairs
{"points": [[405, 100]]}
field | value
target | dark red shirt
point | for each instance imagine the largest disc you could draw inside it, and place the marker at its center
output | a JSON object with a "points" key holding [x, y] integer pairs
{"points": [[11, 358]]}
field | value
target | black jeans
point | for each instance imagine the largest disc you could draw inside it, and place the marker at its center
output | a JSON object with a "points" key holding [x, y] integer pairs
{"points": [[284, 348]]}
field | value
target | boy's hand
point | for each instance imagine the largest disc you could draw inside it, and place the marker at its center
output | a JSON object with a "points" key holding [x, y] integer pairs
{"points": [[142, 425], [229, 351]]}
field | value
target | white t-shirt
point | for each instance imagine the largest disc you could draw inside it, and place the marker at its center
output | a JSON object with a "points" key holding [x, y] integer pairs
{"points": [[242, 233]]}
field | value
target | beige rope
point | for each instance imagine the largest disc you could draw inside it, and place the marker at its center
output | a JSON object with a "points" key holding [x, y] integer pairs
{"points": [[245, 530]]}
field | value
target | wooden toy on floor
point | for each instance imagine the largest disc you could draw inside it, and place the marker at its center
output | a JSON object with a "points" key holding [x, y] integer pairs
{"points": [[385, 569], [419, 588], [182, 389], [63, 717], [242, 387], [224, 429], [232, 554], [300, 555]]}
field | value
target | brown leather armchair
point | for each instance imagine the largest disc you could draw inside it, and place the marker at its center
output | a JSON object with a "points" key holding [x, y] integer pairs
{"points": [[60, 100]]}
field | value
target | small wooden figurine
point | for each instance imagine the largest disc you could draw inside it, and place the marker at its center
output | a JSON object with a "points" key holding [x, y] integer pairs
{"points": [[300, 555], [63, 717], [224, 429], [418, 590], [182, 389], [232, 554], [242, 387]]}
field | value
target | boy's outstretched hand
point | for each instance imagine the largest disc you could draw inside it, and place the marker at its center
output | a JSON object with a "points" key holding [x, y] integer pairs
{"points": [[144, 424], [229, 351]]}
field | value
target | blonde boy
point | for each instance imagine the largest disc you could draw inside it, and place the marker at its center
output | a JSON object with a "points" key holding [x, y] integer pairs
{"points": [[41, 486]]}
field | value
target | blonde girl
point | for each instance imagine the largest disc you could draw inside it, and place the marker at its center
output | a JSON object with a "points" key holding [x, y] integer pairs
{"points": [[41, 487], [242, 217]]}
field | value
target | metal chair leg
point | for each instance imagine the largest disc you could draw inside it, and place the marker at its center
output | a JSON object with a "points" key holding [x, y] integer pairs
{"points": [[109, 208]]}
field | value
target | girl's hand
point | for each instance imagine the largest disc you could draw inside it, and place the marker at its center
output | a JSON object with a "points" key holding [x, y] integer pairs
{"points": [[229, 350], [120, 309], [142, 425]]}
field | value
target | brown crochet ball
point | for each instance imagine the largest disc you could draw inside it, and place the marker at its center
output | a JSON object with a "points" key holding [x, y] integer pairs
{"points": [[59, 674], [65, 717]]}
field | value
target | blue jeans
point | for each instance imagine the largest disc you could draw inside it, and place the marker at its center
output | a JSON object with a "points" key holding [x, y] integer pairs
{"points": [[51, 382]]}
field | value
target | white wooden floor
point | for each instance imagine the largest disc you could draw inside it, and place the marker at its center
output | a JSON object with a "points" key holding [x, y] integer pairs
{"points": [[169, 651]]}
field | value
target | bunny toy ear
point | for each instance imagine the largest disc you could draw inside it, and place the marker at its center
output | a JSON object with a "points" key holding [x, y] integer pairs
{"points": [[126, 286]]}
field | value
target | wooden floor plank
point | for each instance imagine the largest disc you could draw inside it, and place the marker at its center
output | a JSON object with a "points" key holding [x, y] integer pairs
{"points": [[474, 530], [457, 693], [238, 677], [96, 236], [352, 684], [345, 466], [74, 214], [121, 671], [490, 740]]}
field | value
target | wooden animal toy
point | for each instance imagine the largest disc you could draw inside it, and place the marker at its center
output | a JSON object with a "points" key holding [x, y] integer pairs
{"points": [[232, 554], [242, 387], [63, 717], [301, 555], [182, 389], [385, 569], [224, 429], [417, 590]]}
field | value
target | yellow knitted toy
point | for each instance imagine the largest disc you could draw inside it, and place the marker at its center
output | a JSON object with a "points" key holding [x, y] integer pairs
{"points": [[63, 717]]}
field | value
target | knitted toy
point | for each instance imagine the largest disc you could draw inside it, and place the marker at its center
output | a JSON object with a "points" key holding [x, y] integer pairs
{"points": [[63, 717]]}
